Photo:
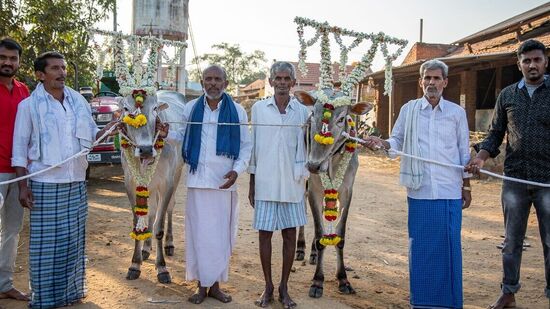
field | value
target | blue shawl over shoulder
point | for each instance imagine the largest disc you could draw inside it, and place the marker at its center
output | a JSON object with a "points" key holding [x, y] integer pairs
{"points": [[228, 139]]}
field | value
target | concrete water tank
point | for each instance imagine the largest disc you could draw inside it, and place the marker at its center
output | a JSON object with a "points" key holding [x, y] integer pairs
{"points": [[161, 18]]}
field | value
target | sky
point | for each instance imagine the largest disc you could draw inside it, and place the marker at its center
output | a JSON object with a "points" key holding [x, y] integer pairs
{"points": [[269, 26]]}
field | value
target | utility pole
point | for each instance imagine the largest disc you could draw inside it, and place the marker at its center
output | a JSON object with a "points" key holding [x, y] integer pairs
{"points": [[421, 28], [114, 17]]}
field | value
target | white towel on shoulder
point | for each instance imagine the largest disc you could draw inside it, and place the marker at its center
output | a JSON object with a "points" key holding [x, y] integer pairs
{"points": [[45, 140], [411, 171]]}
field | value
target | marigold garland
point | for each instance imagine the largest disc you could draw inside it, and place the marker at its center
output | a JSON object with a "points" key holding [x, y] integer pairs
{"points": [[159, 143], [330, 240], [135, 121], [124, 143], [325, 136], [331, 210]]}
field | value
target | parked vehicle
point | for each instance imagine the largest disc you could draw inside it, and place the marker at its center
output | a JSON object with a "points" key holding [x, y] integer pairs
{"points": [[104, 109]]}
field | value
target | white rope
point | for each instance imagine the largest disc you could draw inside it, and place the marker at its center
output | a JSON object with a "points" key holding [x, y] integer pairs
{"points": [[400, 153], [83, 152], [242, 124]]}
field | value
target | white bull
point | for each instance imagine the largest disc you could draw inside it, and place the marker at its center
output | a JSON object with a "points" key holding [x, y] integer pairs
{"points": [[326, 158], [168, 107]]}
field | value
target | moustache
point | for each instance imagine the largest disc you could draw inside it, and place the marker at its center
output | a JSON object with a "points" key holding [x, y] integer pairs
{"points": [[6, 66]]}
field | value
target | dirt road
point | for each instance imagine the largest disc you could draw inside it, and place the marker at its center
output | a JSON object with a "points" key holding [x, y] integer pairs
{"points": [[376, 249]]}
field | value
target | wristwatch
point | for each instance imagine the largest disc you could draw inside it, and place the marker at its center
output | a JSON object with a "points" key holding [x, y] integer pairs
{"points": [[467, 188]]}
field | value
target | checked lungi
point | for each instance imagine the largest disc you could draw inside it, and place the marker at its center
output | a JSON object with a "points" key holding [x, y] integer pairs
{"points": [[274, 216], [57, 243], [435, 256]]}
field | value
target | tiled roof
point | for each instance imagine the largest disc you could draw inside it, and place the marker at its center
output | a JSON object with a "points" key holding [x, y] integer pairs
{"points": [[313, 74], [507, 25], [255, 85]]}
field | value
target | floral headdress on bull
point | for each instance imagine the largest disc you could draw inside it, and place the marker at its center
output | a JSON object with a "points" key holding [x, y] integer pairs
{"points": [[333, 95], [137, 87]]}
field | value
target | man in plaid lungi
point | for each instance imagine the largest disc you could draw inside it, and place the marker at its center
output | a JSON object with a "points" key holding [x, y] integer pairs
{"points": [[53, 124]]}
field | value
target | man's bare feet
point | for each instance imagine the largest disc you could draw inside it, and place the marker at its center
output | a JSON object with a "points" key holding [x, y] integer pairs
{"points": [[284, 298], [266, 298], [216, 292], [198, 297], [14, 294], [506, 300]]}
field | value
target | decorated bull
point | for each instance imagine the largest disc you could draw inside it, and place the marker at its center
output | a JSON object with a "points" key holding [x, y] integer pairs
{"points": [[152, 170], [332, 159], [333, 163], [152, 167]]}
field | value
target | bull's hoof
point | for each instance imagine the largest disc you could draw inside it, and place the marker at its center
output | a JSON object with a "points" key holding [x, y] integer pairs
{"points": [[164, 277], [315, 291], [313, 259], [133, 274], [346, 288], [169, 250], [300, 255], [145, 255]]}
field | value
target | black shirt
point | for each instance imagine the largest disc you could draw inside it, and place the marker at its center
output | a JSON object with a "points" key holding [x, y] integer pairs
{"points": [[527, 122]]}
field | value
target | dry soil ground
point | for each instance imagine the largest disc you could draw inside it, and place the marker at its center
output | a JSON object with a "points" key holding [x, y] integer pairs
{"points": [[376, 249]]}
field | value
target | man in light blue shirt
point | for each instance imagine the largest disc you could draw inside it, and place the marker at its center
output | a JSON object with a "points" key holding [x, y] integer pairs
{"points": [[278, 174], [433, 128]]}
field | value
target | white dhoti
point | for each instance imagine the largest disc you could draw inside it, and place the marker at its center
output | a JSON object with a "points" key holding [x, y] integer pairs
{"points": [[211, 221]]}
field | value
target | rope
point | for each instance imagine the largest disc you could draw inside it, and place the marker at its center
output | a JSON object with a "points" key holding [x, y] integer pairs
{"points": [[242, 124], [83, 152], [400, 153]]}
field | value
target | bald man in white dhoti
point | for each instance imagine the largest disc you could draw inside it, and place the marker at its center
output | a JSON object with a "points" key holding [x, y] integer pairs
{"points": [[216, 155]]}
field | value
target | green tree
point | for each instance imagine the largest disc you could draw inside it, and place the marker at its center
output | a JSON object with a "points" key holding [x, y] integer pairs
{"points": [[241, 68], [60, 25]]}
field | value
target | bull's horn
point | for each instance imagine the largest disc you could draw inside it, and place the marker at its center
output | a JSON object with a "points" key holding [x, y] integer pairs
{"points": [[304, 98], [361, 108]]}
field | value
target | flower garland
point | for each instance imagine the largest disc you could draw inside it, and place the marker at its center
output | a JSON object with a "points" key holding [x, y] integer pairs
{"points": [[139, 85], [137, 45], [141, 209], [325, 136], [140, 119], [358, 73], [303, 48], [172, 67], [331, 210]]}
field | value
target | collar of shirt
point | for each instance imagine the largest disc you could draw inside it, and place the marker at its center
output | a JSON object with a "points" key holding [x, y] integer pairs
{"points": [[208, 106], [441, 105], [546, 81], [49, 96], [15, 85], [291, 103]]}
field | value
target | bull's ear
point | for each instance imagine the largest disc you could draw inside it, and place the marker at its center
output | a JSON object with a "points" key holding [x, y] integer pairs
{"points": [[162, 106], [304, 98], [361, 108]]}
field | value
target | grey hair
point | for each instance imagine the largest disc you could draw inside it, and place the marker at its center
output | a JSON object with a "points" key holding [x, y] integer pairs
{"points": [[434, 64], [279, 66], [217, 67]]}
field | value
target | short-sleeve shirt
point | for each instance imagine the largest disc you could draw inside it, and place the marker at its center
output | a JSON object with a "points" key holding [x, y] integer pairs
{"points": [[8, 109]]}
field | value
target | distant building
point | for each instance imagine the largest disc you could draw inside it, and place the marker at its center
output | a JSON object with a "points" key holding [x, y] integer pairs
{"points": [[260, 88], [480, 66]]}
